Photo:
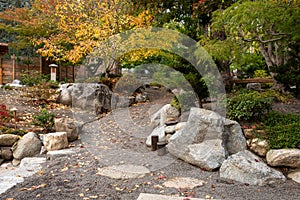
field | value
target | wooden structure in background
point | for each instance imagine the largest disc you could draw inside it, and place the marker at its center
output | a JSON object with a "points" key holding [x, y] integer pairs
{"points": [[3, 51], [11, 68]]}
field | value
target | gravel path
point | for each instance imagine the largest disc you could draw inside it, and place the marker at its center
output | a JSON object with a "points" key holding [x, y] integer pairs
{"points": [[106, 142]]}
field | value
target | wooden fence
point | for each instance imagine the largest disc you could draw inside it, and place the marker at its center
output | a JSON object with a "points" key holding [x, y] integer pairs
{"points": [[11, 69]]}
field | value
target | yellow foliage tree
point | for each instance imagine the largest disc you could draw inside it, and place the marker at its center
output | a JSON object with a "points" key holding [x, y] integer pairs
{"points": [[68, 30]]}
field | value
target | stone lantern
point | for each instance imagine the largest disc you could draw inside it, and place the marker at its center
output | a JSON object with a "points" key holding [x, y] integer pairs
{"points": [[53, 68]]}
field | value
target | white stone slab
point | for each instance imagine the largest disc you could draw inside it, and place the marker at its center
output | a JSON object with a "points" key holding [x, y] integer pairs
{"points": [[183, 182], [123, 171], [145, 196]]}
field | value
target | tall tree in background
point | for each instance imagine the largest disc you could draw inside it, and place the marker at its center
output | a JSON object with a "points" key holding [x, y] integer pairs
{"points": [[270, 26], [68, 30]]}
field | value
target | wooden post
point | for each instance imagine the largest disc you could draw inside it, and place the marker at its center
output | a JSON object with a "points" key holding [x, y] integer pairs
{"points": [[154, 141], [41, 64], [13, 57]]}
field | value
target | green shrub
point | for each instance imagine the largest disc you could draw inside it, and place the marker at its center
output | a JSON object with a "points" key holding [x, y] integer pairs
{"points": [[282, 130], [45, 120], [260, 73], [34, 78], [277, 96], [248, 105]]}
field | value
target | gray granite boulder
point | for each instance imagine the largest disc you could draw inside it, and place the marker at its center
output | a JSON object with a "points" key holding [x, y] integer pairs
{"points": [[245, 167]]}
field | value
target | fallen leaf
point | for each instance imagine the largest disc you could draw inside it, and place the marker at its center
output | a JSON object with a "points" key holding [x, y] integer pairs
{"points": [[64, 169]]}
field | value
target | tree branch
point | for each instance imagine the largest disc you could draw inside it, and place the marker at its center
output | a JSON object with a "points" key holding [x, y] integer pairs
{"points": [[259, 39]]}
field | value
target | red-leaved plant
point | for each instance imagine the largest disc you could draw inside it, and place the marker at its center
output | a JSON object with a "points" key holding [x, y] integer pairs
{"points": [[4, 114]]}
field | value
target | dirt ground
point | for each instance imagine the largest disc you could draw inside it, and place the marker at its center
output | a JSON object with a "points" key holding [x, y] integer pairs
{"points": [[75, 177]]}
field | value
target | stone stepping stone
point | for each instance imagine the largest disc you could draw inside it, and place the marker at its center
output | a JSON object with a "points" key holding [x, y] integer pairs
{"points": [[123, 171], [51, 155], [145, 196], [10, 176], [184, 182]]}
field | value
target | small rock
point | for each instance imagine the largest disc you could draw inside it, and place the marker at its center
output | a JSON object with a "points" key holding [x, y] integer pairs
{"points": [[6, 153], [8, 139], [249, 133], [260, 147], [160, 117], [66, 125], [284, 157], [254, 86], [141, 98], [295, 175], [170, 129], [29, 145], [16, 162], [183, 182], [55, 141], [160, 132]]}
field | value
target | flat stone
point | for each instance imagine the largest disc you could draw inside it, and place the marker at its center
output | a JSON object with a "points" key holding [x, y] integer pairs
{"points": [[170, 129], [51, 155], [32, 164], [8, 139], [10, 175], [284, 157], [183, 182], [295, 175], [123, 171], [145, 196]]}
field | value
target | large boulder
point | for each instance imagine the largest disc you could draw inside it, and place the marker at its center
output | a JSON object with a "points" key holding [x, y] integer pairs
{"points": [[202, 126], [206, 139], [236, 140], [209, 154], [86, 96], [160, 117], [67, 125], [8, 139], [29, 145], [284, 157], [248, 168], [55, 141]]}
